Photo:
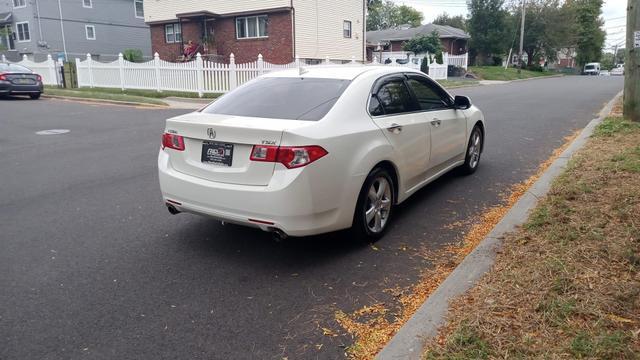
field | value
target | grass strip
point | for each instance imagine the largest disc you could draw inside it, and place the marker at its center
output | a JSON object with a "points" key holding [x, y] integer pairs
{"points": [[500, 73], [567, 284], [102, 96], [141, 93]]}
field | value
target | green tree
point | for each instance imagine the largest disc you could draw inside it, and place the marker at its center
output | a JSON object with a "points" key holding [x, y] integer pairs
{"points": [[548, 26], [421, 44], [384, 14], [488, 26], [457, 21], [606, 61], [587, 29]]}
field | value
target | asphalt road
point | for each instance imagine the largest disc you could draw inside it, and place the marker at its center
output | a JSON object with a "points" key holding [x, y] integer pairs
{"points": [[92, 266]]}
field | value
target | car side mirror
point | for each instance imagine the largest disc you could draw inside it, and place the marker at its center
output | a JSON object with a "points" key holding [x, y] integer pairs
{"points": [[461, 102]]}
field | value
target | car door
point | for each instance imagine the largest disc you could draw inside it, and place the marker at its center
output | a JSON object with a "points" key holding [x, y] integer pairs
{"points": [[448, 125], [395, 111]]}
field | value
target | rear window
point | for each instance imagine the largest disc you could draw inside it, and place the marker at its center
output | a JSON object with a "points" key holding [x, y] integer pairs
{"points": [[282, 98], [590, 67], [13, 68]]}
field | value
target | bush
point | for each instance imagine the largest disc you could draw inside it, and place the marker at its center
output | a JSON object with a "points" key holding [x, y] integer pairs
{"points": [[132, 55], [424, 67], [535, 67], [497, 60]]}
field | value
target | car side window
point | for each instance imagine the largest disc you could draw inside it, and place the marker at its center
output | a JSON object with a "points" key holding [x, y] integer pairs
{"points": [[428, 96], [392, 98]]}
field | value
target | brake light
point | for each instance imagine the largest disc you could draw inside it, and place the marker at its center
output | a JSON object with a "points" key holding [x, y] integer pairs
{"points": [[3, 77], [172, 141], [289, 156], [39, 78]]}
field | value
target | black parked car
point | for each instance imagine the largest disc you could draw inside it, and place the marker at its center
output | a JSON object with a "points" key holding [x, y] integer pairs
{"points": [[19, 80]]}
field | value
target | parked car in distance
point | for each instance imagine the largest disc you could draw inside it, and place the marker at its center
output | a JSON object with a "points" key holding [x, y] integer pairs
{"points": [[604, 73], [18, 80], [619, 70], [592, 69], [312, 150]]}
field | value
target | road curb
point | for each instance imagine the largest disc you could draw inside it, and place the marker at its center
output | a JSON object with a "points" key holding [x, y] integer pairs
{"points": [[409, 341], [105, 101]]}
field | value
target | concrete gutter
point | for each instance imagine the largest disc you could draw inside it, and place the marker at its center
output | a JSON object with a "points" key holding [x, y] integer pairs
{"points": [[409, 342]]}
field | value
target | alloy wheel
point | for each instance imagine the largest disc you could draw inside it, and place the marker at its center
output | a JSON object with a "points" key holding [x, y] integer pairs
{"points": [[378, 205]]}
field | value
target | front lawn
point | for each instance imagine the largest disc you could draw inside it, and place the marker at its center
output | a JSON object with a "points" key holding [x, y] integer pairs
{"points": [[500, 73]]}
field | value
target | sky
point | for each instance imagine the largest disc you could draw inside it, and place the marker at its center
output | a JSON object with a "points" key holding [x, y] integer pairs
{"points": [[613, 12]]}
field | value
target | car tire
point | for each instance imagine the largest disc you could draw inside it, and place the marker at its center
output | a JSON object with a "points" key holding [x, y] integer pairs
{"points": [[35, 96], [375, 206], [474, 152]]}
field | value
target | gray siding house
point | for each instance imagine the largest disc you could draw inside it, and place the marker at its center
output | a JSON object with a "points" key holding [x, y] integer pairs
{"points": [[72, 28]]}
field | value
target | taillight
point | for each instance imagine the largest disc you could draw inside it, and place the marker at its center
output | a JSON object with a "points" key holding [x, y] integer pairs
{"points": [[3, 77], [172, 141], [39, 78], [289, 156], [264, 153]]}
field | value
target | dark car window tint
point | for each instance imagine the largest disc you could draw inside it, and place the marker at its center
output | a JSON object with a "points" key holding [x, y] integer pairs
{"points": [[395, 98], [375, 109], [429, 98], [13, 68], [282, 98]]}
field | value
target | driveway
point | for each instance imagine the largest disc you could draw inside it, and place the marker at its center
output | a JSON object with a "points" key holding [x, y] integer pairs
{"points": [[92, 266]]}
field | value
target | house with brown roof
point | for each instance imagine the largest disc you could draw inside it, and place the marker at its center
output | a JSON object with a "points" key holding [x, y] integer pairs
{"points": [[454, 40]]}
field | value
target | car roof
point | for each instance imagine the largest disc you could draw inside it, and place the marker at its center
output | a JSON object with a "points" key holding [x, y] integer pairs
{"points": [[343, 72]]}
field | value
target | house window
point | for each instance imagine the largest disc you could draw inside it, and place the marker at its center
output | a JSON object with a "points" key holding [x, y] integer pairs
{"points": [[172, 33], [249, 27], [90, 31], [19, 3], [87, 3], [139, 8], [346, 29], [23, 31]]}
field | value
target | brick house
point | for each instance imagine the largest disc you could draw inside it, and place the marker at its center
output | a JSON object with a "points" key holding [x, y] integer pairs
{"points": [[277, 29], [454, 40]]}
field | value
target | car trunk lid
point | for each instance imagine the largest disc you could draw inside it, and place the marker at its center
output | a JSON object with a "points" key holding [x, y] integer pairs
{"points": [[218, 147]]}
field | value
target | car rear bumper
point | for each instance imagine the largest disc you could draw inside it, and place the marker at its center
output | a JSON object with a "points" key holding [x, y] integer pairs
{"points": [[7, 87], [291, 203]]}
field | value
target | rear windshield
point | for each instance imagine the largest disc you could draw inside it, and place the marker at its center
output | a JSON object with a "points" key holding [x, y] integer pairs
{"points": [[282, 98], [590, 67], [13, 68]]}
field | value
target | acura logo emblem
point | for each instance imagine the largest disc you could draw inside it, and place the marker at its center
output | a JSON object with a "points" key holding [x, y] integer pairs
{"points": [[211, 133]]}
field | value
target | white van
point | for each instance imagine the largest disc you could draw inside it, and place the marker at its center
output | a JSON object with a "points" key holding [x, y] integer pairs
{"points": [[592, 69]]}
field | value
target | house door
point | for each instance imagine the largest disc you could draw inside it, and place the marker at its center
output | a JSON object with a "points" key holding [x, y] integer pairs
{"points": [[6, 38]]}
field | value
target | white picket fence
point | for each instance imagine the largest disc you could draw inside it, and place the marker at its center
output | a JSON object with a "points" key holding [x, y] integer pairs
{"points": [[48, 69], [436, 71], [200, 75], [456, 60]]}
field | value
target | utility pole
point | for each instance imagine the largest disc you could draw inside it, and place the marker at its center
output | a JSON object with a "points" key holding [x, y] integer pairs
{"points": [[524, 2], [632, 63]]}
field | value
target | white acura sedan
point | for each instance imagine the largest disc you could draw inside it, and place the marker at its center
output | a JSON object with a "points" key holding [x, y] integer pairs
{"points": [[313, 150]]}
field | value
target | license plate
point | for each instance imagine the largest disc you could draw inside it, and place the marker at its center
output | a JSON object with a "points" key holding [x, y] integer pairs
{"points": [[22, 81], [214, 152]]}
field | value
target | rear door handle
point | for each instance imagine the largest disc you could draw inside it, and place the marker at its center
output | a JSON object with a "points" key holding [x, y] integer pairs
{"points": [[395, 128], [436, 122]]}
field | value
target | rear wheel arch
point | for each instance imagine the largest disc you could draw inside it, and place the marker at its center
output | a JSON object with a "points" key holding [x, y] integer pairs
{"points": [[481, 126]]}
